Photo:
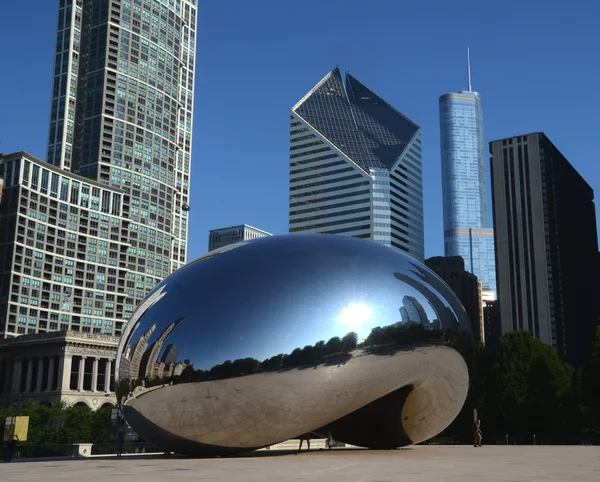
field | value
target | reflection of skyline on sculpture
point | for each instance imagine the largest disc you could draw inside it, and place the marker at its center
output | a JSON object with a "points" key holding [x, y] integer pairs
{"points": [[412, 311], [321, 322], [265, 344], [251, 325]]}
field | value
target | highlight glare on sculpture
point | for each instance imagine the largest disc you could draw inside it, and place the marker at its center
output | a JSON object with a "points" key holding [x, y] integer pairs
{"points": [[263, 341]]}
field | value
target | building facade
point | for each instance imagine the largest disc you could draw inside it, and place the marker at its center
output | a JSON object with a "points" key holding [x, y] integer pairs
{"points": [[61, 366], [63, 251], [121, 114], [465, 285], [217, 238], [546, 244], [491, 322], [464, 192], [355, 167]]}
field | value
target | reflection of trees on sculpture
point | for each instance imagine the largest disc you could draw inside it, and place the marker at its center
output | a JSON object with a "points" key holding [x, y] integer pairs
{"points": [[381, 340], [415, 329]]}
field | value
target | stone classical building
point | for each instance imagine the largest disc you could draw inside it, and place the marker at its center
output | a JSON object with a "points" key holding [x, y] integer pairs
{"points": [[61, 366]]}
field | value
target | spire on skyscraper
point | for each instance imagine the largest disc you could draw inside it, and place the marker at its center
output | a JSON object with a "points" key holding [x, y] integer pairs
{"points": [[469, 67]]}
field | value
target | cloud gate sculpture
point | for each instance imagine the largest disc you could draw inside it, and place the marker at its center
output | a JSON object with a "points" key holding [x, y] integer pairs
{"points": [[266, 340]]}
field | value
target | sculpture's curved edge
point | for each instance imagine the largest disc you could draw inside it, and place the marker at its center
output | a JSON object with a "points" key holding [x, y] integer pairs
{"points": [[411, 402]]}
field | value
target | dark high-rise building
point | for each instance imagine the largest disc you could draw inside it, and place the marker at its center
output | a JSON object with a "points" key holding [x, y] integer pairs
{"points": [[546, 244], [492, 329], [465, 285]]}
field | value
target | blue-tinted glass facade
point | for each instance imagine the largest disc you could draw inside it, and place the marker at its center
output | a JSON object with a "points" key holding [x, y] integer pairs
{"points": [[476, 247], [463, 158], [466, 232]]}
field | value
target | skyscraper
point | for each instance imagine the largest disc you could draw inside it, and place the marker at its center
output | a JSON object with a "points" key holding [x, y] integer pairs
{"points": [[465, 286], [63, 246], [355, 167], [122, 99], [217, 238], [546, 242], [466, 231]]}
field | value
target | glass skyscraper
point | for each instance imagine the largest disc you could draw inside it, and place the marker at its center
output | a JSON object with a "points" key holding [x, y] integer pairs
{"points": [[466, 231], [121, 115], [355, 167]]}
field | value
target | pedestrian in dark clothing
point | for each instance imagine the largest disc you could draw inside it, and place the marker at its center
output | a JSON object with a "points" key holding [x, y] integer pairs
{"points": [[304, 437], [120, 440], [11, 445]]}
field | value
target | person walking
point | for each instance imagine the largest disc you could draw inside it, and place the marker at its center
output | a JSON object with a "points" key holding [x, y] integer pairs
{"points": [[120, 440], [304, 437], [329, 441], [477, 433], [11, 445]]}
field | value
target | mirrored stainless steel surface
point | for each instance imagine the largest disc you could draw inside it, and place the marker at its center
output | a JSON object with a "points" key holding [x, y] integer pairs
{"points": [[266, 340]]}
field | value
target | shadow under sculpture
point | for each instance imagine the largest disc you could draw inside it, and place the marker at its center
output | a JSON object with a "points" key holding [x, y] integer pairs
{"points": [[265, 340]]}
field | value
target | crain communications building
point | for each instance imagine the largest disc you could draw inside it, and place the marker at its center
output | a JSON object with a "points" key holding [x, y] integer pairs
{"points": [[355, 167]]}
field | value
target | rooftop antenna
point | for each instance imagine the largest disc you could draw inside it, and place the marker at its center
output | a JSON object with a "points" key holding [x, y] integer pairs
{"points": [[469, 67]]}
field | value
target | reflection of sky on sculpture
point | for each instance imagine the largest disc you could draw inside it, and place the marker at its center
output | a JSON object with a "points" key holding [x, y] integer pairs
{"points": [[262, 301]]}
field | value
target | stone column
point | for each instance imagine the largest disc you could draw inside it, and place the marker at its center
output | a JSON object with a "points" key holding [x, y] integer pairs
{"points": [[50, 385], [29, 375], [65, 363], [108, 375], [80, 373], [95, 375], [40, 375], [17, 373]]}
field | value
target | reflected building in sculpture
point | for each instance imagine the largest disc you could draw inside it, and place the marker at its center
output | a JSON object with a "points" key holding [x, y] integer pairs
{"points": [[412, 311], [170, 355], [355, 167], [313, 344]]}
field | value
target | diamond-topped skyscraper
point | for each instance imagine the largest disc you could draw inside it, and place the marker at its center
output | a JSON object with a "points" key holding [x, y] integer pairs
{"points": [[122, 101], [466, 231], [355, 167]]}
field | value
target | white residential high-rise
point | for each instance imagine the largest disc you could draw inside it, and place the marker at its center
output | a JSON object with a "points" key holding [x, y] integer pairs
{"points": [[355, 167], [122, 101]]}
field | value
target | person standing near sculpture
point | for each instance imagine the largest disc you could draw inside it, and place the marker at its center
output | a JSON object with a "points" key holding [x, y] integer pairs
{"points": [[307, 437], [11, 445], [477, 433], [120, 440]]}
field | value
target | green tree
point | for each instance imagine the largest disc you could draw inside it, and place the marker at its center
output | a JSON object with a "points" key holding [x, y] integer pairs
{"points": [[529, 389], [589, 387]]}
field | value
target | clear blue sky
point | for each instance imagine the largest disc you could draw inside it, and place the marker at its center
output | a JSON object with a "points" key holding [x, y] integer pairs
{"points": [[536, 64]]}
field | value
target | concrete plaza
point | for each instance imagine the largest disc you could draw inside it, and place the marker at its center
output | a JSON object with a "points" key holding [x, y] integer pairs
{"points": [[422, 463]]}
